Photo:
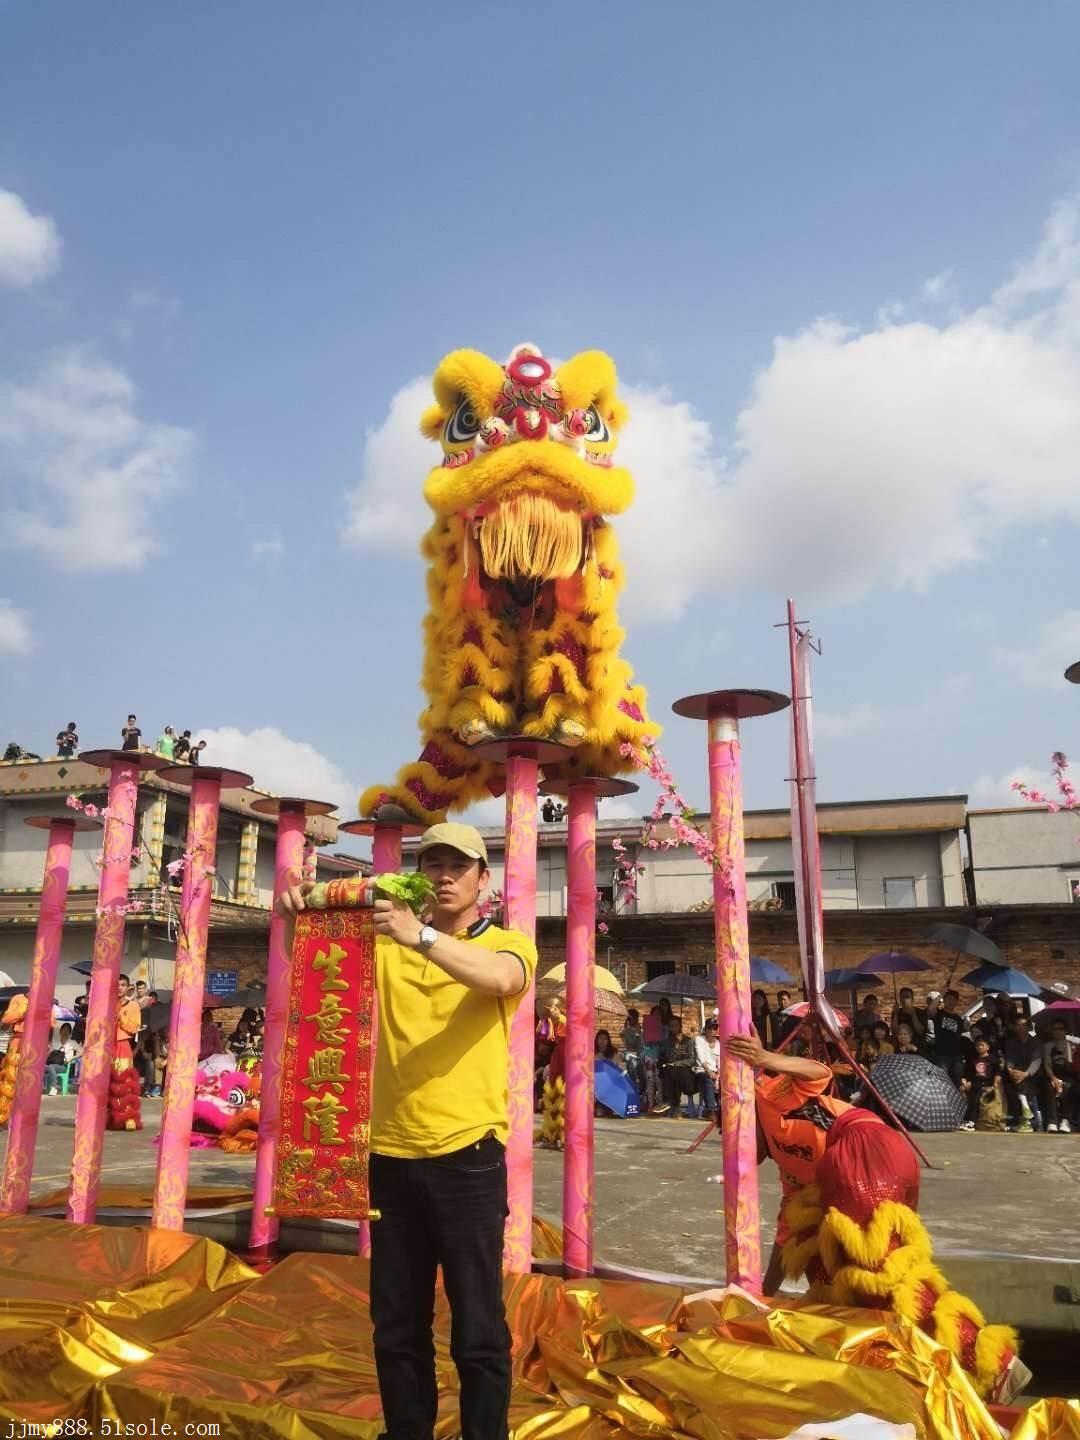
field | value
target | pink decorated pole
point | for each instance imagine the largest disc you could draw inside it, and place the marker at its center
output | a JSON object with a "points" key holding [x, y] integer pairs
{"points": [[519, 896], [26, 1105], [522, 758], [742, 1217], [124, 768], [385, 860], [579, 1152], [578, 1158], [189, 985], [292, 816]]}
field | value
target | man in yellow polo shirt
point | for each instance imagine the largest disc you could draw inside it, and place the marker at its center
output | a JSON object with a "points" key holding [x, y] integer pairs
{"points": [[448, 988]]}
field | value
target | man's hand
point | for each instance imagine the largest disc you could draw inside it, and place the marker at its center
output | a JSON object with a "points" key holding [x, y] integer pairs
{"points": [[748, 1048], [291, 901], [395, 919]]}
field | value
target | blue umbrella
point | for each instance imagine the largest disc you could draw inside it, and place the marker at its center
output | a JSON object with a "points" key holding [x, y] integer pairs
{"points": [[614, 1091], [84, 967], [767, 972], [1007, 980]]}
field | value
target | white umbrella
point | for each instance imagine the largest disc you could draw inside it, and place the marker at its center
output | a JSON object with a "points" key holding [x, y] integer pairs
{"points": [[5, 978]]}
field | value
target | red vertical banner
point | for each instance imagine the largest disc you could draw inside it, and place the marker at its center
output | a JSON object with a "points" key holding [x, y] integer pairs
{"points": [[322, 1154]]}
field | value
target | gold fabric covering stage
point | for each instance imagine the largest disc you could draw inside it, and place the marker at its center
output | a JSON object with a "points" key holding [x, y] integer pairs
{"points": [[135, 1325]]}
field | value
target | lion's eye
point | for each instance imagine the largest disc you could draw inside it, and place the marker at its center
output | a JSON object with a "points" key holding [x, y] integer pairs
{"points": [[463, 425], [598, 431]]}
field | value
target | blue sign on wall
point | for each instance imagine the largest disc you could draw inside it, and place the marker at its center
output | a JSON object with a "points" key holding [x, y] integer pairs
{"points": [[221, 982]]}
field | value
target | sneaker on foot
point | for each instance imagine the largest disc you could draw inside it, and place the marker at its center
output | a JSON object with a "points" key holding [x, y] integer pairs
{"points": [[968, 1125], [1065, 1128], [661, 1109], [1051, 1129], [1024, 1129], [54, 1092]]}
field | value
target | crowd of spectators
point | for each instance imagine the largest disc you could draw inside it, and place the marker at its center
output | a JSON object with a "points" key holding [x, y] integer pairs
{"points": [[142, 1032], [1012, 1077], [180, 748]]}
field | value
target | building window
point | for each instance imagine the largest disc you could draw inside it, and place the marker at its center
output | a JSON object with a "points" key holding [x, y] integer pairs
{"points": [[655, 968], [784, 891], [702, 971], [900, 892], [605, 898], [1074, 889]]}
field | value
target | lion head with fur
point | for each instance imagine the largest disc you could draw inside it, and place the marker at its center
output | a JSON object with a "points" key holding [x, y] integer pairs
{"points": [[527, 457]]}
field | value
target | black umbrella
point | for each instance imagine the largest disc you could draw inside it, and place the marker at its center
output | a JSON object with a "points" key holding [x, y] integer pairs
{"points": [[965, 941], [684, 987], [922, 1095]]}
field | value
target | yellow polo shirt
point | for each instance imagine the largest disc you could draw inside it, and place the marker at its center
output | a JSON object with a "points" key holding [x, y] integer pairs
{"points": [[441, 1062]]}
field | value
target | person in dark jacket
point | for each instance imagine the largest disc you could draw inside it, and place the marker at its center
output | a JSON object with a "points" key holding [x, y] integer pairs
{"points": [[1023, 1061]]}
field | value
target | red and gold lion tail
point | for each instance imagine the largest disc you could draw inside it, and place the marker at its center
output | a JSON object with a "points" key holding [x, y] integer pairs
{"points": [[888, 1264]]}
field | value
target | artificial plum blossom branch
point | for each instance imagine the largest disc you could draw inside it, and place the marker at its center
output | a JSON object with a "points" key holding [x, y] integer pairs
{"points": [[1070, 799], [672, 806]]}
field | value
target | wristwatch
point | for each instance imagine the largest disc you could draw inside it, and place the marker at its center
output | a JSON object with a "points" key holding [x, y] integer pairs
{"points": [[428, 936]]}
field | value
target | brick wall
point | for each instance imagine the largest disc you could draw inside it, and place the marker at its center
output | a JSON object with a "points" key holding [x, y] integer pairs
{"points": [[1043, 940]]}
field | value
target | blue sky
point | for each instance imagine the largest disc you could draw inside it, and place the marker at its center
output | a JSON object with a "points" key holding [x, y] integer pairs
{"points": [[835, 252]]}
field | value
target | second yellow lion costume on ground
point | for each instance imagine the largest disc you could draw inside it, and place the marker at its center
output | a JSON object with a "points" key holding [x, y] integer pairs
{"points": [[521, 635]]}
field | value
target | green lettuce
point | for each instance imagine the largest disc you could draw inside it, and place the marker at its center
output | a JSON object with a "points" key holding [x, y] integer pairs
{"points": [[415, 889]]}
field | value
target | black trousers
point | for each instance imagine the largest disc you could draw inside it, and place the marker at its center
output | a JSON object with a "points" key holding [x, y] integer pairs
{"points": [[449, 1211]]}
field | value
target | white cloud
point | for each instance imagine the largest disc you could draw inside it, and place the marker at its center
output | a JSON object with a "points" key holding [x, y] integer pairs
{"points": [[80, 471], [992, 792], [863, 457], [270, 549], [938, 287], [1042, 663], [386, 511], [839, 724], [15, 636], [29, 244], [861, 719], [280, 764]]}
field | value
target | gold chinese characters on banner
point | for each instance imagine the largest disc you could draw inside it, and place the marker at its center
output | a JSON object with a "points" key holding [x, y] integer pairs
{"points": [[321, 1166]]}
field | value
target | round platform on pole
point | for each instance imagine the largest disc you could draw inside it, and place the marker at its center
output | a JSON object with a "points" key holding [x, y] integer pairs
{"points": [[1072, 674], [370, 828], [604, 786], [276, 805], [80, 822], [142, 760], [188, 774], [737, 704], [521, 747]]}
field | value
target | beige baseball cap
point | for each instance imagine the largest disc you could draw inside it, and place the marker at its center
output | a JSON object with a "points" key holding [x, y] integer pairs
{"points": [[466, 839]]}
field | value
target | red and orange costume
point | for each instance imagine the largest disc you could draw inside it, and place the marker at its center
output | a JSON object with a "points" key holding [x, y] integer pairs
{"points": [[125, 1106], [14, 1017], [849, 1222]]}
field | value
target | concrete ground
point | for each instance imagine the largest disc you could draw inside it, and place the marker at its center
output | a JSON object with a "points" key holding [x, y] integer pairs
{"points": [[1009, 1194]]}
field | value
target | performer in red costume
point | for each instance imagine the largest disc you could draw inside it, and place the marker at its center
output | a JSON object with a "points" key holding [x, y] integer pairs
{"points": [[849, 1221]]}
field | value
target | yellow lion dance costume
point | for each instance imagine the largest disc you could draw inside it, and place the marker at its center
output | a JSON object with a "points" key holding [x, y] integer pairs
{"points": [[521, 635]]}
